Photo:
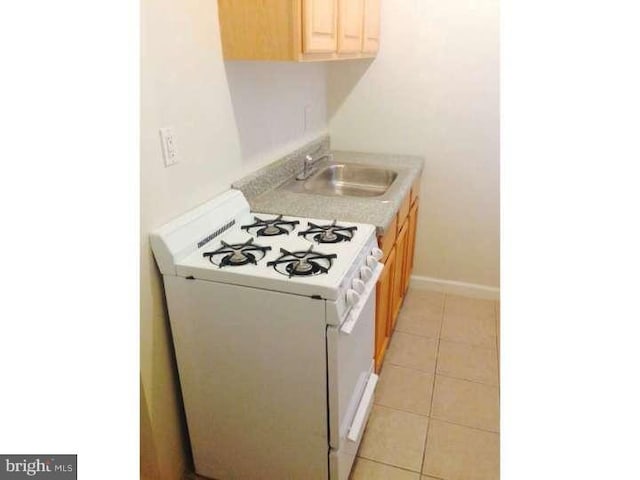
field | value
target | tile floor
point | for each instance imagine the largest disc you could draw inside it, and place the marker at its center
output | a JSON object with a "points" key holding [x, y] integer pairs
{"points": [[436, 411]]}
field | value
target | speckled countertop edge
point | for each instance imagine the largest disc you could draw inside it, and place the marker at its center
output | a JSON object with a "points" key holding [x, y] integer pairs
{"points": [[261, 191]]}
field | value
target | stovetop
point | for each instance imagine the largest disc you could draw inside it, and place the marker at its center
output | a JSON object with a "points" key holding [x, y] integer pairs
{"points": [[281, 253], [222, 241], [309, 257]]}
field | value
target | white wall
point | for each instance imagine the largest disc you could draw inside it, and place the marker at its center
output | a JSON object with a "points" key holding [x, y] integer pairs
{"points": [[269, 101], [184, 85], [433, 91]]}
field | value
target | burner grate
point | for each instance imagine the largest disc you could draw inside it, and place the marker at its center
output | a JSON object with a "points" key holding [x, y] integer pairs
{"points": [[302, 263], [331, 233], [271, 227], [237, 254]]}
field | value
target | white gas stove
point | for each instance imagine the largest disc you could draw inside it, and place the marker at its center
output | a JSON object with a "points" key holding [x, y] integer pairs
{"points": [[273, 325]]}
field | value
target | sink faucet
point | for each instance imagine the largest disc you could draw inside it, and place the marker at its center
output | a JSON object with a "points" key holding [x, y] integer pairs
{"points": [[309, 161]]}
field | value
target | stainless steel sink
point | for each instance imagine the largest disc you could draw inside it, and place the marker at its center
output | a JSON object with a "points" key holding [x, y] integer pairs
{"points": [[346, 179]]}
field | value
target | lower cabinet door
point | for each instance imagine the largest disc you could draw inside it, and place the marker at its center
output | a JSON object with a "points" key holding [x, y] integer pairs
{"points": [[397, 293], [383, 309]]}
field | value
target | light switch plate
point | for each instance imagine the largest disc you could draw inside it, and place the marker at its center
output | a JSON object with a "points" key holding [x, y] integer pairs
{"points": [[169, 150]]}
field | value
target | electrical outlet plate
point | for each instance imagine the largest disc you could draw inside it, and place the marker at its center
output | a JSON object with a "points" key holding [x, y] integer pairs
{"points": [[169, 151]]}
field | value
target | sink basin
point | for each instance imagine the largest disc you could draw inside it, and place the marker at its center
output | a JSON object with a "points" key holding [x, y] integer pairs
{"points": [[348, 179]]}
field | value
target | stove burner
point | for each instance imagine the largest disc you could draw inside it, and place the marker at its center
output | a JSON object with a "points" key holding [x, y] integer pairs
{"points": [[327, 236], [329, 233], [300, 267], [302, 263], [237, 254], [272, 227]]}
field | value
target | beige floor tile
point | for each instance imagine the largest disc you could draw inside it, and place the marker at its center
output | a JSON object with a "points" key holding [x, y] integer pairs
{"points": [[469, 307], [404, 389], [469, 362], [466, 403], [395, 438], [421, 313], [412, 351], [459, 453], [417, 319], [471, 331], [433, 296], [469, 320], [364, 469]]}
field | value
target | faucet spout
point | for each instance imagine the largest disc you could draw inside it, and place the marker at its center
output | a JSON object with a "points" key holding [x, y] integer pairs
{"points": [[308, 165]]}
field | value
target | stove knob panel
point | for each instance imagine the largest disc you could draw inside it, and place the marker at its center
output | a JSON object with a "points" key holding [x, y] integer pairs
{"points": [[371, 262], [377, 253], [365, 273], [358, 285], [353, 297]]}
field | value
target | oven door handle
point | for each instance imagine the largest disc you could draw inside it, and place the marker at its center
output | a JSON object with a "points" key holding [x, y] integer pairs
{"points": [[349, 324], [359, 419]]}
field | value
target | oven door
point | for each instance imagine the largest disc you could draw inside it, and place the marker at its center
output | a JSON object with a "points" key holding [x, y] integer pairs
{"points": [[351, 381]]}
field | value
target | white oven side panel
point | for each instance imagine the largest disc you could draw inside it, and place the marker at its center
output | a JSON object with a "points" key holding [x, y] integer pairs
{"points": [[252, 367]]}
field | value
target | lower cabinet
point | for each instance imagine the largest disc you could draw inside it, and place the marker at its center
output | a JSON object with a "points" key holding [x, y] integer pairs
{"points": [[394, 281]]}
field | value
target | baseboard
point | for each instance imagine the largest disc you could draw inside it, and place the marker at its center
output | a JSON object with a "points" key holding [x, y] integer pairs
{"points": [[455, 288]]}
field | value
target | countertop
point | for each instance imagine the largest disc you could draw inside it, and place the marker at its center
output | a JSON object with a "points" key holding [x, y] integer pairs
{"points": [[265, 197]]}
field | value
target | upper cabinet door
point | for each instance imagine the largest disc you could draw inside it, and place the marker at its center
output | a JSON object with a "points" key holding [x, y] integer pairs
{"points": [[319, 26], [371, 40], [350, 17]]}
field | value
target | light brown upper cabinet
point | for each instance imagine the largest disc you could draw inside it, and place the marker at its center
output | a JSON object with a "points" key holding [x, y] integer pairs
{"points": [[298, 30], [350, 26], [371, 31]]}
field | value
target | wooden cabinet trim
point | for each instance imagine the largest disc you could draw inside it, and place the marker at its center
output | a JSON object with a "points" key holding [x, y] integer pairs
{"points": [[411, 242], [415, 189], [403, 211]]}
